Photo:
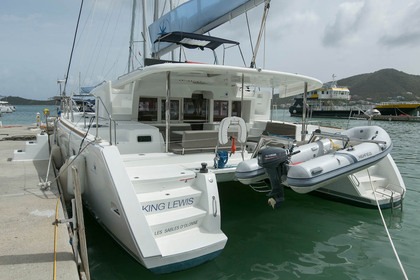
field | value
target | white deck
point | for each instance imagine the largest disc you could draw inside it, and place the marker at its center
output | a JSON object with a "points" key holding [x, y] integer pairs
{"points": [[164, 163]]}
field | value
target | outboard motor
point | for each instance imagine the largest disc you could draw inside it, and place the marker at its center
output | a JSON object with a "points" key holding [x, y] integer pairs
{"points": [[274, 161]]}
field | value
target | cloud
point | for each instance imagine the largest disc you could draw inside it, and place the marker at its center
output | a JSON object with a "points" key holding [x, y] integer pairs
{"points": [[293, 21], [10, 18], [347, 22], [403, 26]]}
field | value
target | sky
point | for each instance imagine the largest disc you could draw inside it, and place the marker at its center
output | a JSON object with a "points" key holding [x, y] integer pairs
{"points": [[317, 38]]}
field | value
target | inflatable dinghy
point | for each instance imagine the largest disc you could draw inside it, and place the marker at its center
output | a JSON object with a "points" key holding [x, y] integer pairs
{"points": [[326, 157]]}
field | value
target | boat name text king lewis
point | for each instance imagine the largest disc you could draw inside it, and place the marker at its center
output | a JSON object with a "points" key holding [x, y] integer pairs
{"points": [[156, 207]]}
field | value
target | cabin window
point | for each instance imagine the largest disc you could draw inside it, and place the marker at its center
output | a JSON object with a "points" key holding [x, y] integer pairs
{"points": [[144, 138], [174, 111], [195, 108], [148, 109], [220, 110], [236, 108]]}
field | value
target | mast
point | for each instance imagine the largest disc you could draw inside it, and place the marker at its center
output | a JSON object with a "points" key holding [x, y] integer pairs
{"points": [[144, 33], [131, 46], [156, 11], [171, 7]]}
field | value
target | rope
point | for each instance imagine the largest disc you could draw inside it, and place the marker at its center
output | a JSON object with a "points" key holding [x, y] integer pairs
{"points": [[386, 229], [72, 48], [249, 31], [69, 164], [55, 241]]}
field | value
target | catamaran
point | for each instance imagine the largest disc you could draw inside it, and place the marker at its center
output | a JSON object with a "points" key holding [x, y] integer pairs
{"points": [[163, 136]]}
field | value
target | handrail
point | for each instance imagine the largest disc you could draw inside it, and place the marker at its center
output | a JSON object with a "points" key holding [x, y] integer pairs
{"points": [[338, 136], [68, 109], [266, 140], [356, 179], [98, 98], [214, 204]]}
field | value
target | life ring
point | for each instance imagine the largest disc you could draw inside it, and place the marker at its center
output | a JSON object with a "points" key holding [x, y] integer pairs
{"points": [[232, 121]]}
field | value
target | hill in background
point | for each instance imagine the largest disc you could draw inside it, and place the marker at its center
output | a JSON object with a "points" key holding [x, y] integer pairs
{"points": [[15, 100], [383, 85], [380, 86]]}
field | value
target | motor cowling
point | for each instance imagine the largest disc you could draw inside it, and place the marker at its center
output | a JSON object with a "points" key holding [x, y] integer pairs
{"points": [[274, 160], [272, 157]]}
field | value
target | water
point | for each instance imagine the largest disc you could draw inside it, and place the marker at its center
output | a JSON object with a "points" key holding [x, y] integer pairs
{"points": [[26, 114], [307, 238]]}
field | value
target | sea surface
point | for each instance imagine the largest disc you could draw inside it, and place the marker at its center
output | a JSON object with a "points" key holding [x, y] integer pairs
{"points": [[307, 238]]}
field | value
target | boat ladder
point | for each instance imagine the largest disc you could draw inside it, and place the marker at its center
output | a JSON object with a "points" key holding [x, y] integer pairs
{"points": [[391, 196], [260, 187]]}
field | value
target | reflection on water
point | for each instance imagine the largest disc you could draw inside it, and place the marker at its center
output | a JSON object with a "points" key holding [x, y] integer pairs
{"points": [[325, 256]]}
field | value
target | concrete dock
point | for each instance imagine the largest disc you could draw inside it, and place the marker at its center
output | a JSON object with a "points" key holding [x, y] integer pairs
{"points": [[27, 214]]}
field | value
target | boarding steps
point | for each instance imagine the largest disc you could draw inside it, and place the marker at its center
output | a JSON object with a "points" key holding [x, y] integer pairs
{"points": [[383, 190], [180, 206], [34, 150]]}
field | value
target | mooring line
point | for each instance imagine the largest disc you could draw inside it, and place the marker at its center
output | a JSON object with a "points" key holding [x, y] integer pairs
{"points": [[386, 229]]}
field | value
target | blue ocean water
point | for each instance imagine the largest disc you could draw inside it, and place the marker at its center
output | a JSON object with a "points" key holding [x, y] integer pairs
{"points": [[307, 238]]}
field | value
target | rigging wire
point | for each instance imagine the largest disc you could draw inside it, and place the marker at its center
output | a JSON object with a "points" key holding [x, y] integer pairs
{"points": [[64, 169], [112, 40], [93, 61], [72, 48], [86, 134], [85, 31], [249, 31], [386, 229], [164, 7], [262, 29], [265, 42], [87, 28]]}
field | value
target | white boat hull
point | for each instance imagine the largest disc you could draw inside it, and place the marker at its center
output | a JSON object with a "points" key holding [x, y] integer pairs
{"points": [[379, 184], [144, 211]]}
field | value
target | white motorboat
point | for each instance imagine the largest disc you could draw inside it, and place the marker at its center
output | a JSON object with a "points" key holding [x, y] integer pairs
{"points": [[6, 107]]}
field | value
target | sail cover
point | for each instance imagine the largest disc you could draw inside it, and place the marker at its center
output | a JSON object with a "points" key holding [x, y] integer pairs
{"points": [[197, 16]]}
